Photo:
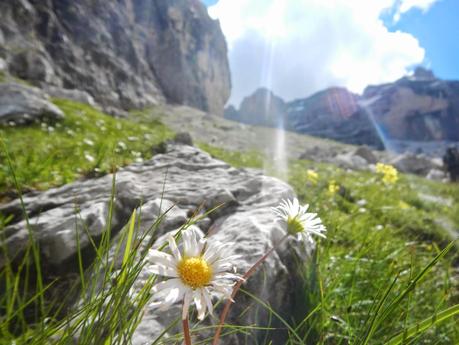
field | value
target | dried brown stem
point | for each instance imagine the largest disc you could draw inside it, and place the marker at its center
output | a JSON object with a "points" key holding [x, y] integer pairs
{"points": [[238, 286], [186, 331]]}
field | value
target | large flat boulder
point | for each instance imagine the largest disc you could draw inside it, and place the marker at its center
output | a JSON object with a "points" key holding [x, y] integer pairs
{"points": [[192, 178], [21, 104], [415, 164]]}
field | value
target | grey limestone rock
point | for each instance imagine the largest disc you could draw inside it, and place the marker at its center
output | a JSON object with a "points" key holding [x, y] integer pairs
{"points": [[21, 104], [366, 153], [437, 175], [183, 138], [72, 94], [351, 161], [126, 54], [415, 164], [185, 181]]}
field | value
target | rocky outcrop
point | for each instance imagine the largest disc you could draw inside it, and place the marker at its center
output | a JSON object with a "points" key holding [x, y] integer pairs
{"points": [[415, 164], [333, 113], [74, 95], [22, 104], [365, 158], [417, 114], [416, 109], [126, 54], [192, 179], [262, 107]]}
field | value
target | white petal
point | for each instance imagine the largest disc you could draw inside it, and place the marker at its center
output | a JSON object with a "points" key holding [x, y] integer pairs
{"points": [[280, 212], [186, 237], [198, 232], [213, 252], [225, 290], [168, 296], [318, 234], [194, 247], [227, 275], [173, 247], [296, 206], [207, 298], [174, 295], [200, 305], [157, 257], [171, 283], [186, 303], [156, 305], [201, 245], [221, 266], [162, 270]]}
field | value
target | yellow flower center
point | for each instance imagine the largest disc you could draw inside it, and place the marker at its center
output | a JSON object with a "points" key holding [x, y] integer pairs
{"points": [[294, 226], [194, 272]]}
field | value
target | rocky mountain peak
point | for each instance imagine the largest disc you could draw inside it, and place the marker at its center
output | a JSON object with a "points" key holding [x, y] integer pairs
{"points": [[421, 73], [332, 113], [417, 113], [262, 107]]}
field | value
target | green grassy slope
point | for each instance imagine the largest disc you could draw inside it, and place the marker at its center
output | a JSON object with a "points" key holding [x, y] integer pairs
{"points": [[375, 231], [86, 142]]}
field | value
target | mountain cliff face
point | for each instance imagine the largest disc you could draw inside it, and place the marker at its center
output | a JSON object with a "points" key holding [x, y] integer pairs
{"points": [[416, 113], [333, 113], [419, 108], [126, 54], [262, 107]]}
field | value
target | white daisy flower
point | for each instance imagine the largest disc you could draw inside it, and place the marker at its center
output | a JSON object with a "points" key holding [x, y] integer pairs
{"points": [[299, 222], [88, 142], [89, 158], [198, 269]]}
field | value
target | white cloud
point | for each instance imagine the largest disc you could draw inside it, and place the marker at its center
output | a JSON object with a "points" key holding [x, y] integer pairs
{"points": [[407, 5], [423, 5], [297, 47]]}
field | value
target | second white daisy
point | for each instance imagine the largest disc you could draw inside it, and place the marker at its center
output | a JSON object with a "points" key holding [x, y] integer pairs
{"points": [[198, 269], [299, 222]]}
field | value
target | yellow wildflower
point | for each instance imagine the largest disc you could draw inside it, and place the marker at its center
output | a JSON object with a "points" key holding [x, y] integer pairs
{"points": [[312, 176], [388, 172], [333, 187], [403, 205]]}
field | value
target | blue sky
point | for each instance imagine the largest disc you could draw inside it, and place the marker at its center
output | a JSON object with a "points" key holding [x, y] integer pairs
{"points": [[298, 47], [437, 31], [210, 2]]}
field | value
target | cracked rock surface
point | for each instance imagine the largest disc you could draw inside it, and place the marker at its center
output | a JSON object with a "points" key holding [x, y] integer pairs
{"points": [[183, 179]]}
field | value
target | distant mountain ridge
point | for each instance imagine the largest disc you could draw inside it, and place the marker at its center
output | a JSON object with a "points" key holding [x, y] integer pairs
{"points": [[415, 109], [415, 113], [335, 114]]}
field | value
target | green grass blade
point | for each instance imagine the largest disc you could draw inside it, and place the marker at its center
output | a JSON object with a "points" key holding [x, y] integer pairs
{"points": [[373, 321], [33, 242], [422, 326], [280, 318], [415, 281], [127, 249]]}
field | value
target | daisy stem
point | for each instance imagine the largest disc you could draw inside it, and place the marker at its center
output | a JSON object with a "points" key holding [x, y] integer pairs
{"points": [[186, 331], [236, 288]]}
